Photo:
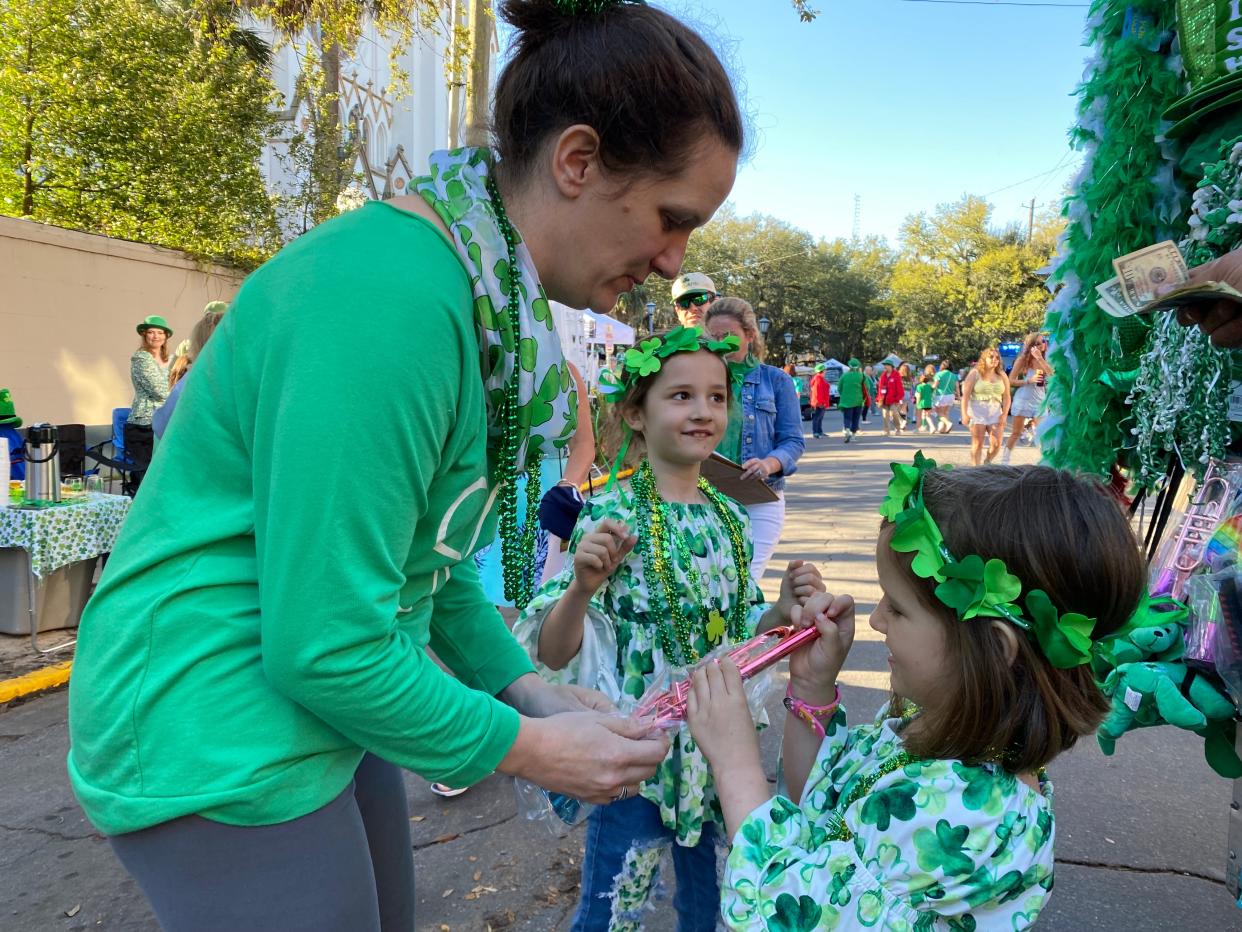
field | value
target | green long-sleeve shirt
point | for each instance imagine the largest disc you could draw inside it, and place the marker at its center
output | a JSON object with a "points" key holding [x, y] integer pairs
{"points": [[305, 532]]}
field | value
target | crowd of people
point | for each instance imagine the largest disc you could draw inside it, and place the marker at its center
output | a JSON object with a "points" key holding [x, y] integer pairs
{"points": [[984, 397], [259, 662]]}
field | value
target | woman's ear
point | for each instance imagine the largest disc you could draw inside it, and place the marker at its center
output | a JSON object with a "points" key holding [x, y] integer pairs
{"points": [[1009, 638], [575, 159]]}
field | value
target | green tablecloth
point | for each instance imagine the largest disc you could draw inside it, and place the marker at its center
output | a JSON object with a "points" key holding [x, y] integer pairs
{"points": [[64, 534]]}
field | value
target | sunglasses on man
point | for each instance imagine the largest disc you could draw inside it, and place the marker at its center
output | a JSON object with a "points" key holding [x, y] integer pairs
{"points": [[685, 302]]}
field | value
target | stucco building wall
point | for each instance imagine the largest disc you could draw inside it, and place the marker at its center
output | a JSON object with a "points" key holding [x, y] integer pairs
{"points": [[69, 303]]}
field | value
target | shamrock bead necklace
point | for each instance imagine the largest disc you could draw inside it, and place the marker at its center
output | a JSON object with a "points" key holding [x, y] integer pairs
{"points": [[517, 548], [660, 544]]}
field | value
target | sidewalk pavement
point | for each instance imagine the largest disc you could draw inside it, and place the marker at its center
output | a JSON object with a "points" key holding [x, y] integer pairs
{"points": [[1141, 837]]}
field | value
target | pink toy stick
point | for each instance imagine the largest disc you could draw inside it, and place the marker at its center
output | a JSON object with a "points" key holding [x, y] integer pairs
{"points": [[753, 656]]}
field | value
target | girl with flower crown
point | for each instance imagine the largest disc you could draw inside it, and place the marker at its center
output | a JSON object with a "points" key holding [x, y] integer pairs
{"points": [[937, 815], [659, 578]]}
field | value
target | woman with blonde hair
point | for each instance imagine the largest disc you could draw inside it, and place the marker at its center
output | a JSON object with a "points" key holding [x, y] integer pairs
{"points": [[206, 326], [985, 404], [1029, 376], [764, 432], [148, 371]]}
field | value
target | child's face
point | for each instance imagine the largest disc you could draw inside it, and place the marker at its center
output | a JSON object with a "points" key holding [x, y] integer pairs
{"points": [[913, 634], [685, 413]]}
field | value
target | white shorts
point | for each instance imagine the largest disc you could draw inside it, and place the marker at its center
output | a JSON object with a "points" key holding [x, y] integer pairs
{"points": [[945, 401], [985, 415]]}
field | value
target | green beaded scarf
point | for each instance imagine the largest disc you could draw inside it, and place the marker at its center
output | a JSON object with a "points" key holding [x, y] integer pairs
{"points": [[531, 403]]}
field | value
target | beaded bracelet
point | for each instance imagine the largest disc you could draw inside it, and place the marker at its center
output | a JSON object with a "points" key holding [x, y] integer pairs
{"points": [[812, 714]]}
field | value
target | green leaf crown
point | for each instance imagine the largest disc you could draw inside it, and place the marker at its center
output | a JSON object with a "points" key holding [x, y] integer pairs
{"points": [[978, 588], [647, 358]]}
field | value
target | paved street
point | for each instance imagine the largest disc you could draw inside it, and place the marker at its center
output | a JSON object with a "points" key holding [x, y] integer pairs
{"points": [[1141, 837]]}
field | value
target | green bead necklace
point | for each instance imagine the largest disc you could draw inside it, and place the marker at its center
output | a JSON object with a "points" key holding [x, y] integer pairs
{"points": [[517, 547], [662, 545]]}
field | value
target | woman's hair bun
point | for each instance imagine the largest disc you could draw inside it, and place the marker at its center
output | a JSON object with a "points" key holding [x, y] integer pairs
{"points": [[536, 17]]}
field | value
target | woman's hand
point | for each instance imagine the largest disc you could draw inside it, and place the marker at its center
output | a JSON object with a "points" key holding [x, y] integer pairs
{"points": [[813, 670], [760, 468], [719, 717], [801, 581], [534, 697], [586, 755], [599, 554]]}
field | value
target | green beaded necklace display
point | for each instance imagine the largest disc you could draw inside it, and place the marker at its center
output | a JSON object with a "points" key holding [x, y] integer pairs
{"points": [[517, 546], [661, 546]]}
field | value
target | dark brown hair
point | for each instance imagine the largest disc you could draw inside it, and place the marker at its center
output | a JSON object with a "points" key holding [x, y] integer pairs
{"points": [[613, 431], [1057, 532], [643, 80]]}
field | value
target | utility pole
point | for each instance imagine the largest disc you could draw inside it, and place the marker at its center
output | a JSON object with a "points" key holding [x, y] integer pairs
{"points": [[857, 217], [1030, 223]]}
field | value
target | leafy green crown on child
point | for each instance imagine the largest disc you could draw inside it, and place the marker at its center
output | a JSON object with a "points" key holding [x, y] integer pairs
{"points": [[977, 588]]}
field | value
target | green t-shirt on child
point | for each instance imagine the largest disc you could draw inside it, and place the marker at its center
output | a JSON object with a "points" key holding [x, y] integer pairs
{"points": [[923, 394]]}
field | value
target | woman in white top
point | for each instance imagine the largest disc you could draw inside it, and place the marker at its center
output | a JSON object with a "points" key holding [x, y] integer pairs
{"points": [[1029, 378]]}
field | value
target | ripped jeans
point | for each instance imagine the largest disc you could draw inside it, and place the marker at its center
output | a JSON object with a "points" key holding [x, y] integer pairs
{"points": [[624, 844]]}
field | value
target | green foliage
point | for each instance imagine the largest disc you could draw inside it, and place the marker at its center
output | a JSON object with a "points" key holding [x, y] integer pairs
{"points": [[824, 293], [959, 284], [122, 117]]}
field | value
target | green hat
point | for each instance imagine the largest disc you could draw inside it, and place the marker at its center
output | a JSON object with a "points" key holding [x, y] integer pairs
{"points": [[215, 307], [154, 321], [820, 367], [8, 414], [854, 363], [1205, 31]]}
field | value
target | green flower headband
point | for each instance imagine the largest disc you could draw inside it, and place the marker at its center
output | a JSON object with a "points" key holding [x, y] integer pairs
{"points": [[645, 360], [975, 588]]}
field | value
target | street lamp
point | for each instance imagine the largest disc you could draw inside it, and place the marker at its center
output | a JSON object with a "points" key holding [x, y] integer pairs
{"points": [[764, 326], [788, 344], [651, 309]]}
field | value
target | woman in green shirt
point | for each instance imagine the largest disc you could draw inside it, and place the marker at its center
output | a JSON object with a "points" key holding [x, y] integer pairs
{"points": [[253, 670]]}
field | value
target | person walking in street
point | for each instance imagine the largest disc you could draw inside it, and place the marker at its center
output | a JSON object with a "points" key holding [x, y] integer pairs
{"points": [[890, 392], [985, 403], [148, 370], [924, 401], [765, 422], [869, 378], [821, 400], [253, 671], [908, 415], [666, 621], [946, 395], [944, 793], [693, 293], [854, 396], [1029, 376]]}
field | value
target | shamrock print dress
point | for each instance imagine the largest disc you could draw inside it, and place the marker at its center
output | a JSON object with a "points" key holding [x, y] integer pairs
{"points": [[622, 654], [885, 841]]}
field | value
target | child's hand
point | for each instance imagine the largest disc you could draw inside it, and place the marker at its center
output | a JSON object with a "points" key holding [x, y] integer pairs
{"points": [[800, 582], [600, 553], [813, 669], [719, 717]]}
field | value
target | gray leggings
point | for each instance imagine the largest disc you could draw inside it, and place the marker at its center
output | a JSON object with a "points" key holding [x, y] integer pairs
{"points": [[347, 866]]}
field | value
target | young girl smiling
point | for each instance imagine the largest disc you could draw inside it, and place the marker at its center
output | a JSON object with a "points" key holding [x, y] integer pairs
{"points": [[659, 578], [938, 815]]}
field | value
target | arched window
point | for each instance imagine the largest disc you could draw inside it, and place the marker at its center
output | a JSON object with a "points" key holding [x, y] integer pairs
{"points": [[379, 151]]}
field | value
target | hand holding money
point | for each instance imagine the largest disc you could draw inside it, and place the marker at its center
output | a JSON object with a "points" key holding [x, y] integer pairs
{"points": [[1156, 279], [1220, 316]]}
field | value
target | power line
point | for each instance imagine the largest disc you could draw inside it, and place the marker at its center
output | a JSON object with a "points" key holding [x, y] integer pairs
{"points": [[1001, 3]]}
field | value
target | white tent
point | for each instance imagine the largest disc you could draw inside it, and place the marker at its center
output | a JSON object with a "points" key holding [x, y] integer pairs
{"points": [[608, 329]]}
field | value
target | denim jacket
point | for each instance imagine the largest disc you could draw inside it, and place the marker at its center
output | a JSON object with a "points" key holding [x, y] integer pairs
{"points": [[772, 420]]}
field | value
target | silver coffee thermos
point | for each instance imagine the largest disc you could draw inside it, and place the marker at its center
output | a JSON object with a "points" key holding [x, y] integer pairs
{"points": [[42, 454]]}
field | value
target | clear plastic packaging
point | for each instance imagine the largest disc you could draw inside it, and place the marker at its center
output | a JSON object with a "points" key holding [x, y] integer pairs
{"points": [[663, 705]]}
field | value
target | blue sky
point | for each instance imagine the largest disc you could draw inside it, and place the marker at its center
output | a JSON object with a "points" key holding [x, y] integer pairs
{"points": [[908, 104]]}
